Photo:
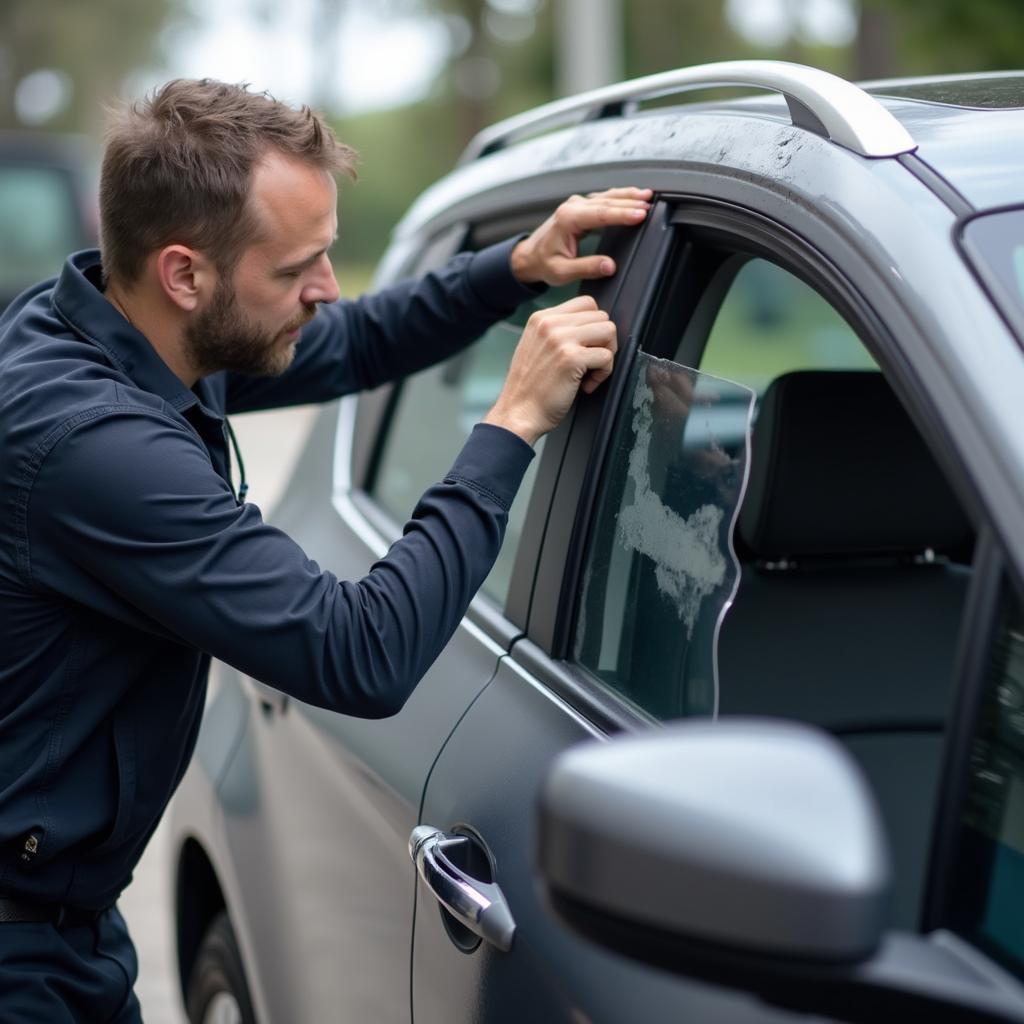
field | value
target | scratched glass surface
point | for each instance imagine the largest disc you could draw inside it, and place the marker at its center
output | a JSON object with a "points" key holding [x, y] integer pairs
{"points": [[660, 569]]}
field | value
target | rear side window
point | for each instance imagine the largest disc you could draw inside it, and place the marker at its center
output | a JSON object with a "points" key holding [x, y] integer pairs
{"points": [[435, 412]]}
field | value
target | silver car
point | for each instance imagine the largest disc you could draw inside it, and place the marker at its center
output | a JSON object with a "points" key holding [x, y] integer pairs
{"points": [[800, 498]]}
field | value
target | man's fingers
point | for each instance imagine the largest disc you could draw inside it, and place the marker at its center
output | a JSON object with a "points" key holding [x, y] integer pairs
{"points": [[570, 318], [585, 268], [599, 362], [622, 193], [579, 304], [595, 334], [588, 214]]}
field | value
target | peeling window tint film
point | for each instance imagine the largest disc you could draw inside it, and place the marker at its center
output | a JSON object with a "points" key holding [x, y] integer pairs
{"points": [[660, 569], [989, 878]]}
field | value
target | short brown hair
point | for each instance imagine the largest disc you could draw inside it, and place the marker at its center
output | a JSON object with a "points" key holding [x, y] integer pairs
{"points": [[178, 168]]}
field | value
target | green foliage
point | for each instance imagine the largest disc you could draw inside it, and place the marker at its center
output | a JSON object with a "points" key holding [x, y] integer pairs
{"points": [[99, 42], [96, 43], [401, 152], [945, 36]]}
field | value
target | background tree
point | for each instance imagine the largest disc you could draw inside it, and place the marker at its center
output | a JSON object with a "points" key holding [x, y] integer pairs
{"points": [[90, 47]]}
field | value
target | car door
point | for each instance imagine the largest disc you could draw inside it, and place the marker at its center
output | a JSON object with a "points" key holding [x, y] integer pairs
{"points": [[319, 844], [480, 793], [616, 639]]}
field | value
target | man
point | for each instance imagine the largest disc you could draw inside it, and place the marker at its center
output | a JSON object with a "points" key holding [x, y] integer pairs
{"points": [[126, 559]]}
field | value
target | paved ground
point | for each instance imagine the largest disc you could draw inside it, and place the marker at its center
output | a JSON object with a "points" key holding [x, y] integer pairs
{"points": [[269, 442]]}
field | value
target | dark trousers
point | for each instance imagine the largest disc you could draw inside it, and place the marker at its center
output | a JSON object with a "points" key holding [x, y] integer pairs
{"points": [[83, 974]]}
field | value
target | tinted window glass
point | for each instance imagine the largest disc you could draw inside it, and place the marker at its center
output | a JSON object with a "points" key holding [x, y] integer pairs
{"points": [[436, 412], [994, 244], [660, 567], [38, 225], [988, 885], [770, 323]]}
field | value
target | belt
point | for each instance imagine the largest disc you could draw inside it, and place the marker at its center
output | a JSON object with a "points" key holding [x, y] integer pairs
{"points": [[14, 911]]}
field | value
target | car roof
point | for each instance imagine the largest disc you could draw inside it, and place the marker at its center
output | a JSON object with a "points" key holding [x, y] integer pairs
{"points": [[977, 150]]}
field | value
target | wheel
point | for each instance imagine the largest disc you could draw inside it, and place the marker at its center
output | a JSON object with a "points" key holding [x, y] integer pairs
{"points": [[217, 993]]}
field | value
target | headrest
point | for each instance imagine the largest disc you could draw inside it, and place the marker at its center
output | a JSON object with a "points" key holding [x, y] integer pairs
{"points": [[837, 468]]}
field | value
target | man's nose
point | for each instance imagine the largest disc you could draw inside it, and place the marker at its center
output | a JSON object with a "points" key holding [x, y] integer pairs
{"points": [[323, 286]]}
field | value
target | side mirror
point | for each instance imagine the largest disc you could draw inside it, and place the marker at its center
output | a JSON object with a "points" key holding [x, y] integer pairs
{"points": [[759, 836], [749, 854]]}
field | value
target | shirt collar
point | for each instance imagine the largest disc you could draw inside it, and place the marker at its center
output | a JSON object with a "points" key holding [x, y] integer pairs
{"points": [[79, 301]]}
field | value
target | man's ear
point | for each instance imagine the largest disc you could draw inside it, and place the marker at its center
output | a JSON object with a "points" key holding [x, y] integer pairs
{"points": [[186, 277]]}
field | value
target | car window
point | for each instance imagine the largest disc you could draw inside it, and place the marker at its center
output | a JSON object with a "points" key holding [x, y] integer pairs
{"points": [[988, 882], [38, 225], [770, 323], [435, 413], [841, 601], [661, 569]]}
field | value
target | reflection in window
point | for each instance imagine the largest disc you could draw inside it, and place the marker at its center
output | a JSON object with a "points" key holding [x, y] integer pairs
{"points": [[660, 566]]}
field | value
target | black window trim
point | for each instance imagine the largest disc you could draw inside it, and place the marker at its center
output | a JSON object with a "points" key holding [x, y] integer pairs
{"points": [[977, 630]]}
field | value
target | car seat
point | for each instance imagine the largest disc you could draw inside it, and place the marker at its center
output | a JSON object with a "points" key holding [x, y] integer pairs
{"points": [[850, 597]]}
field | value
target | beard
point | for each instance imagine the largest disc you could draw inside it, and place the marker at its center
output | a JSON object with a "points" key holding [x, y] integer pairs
{"points": [[221, 337]]}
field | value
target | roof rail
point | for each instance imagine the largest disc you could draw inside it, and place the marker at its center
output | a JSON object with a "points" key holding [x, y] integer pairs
{"points": [[818, 101]]}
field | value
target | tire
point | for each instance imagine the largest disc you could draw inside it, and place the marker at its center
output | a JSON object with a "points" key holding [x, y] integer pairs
{"points": [[217, 992]]}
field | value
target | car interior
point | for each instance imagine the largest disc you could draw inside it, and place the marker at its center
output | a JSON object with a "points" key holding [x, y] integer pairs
{"points": [[853, 581], [854, 557]]}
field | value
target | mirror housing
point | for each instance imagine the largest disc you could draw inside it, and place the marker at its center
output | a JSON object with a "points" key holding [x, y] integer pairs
{"points": [[756, 835]]}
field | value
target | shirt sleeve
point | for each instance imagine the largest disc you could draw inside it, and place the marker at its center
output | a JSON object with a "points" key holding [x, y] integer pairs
{"points": [[353, 345], [129, 518]]}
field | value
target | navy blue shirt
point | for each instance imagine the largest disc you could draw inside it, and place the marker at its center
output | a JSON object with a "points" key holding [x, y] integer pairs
{"points": [[126, 560]]}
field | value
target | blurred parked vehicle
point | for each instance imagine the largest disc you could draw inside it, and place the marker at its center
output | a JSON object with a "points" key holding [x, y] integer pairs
{"points": [[46, 209], [801, 495]]}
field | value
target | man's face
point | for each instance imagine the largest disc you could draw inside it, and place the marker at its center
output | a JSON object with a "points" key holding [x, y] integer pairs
{"points": [[252, 321]]}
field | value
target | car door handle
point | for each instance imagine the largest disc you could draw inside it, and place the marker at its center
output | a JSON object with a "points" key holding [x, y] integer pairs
{"points": [[478, 905]]}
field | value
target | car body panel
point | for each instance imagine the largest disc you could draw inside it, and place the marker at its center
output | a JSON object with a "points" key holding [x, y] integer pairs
{"points": [[550, 974], [349, 865]]}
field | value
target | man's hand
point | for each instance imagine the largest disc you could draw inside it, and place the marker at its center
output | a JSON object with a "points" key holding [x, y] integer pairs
{"points": [[551, 253], [562, 348]]}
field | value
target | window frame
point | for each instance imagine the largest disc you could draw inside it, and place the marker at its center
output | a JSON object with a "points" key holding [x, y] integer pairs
{"points": [[671, 260], [546, 648]]}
